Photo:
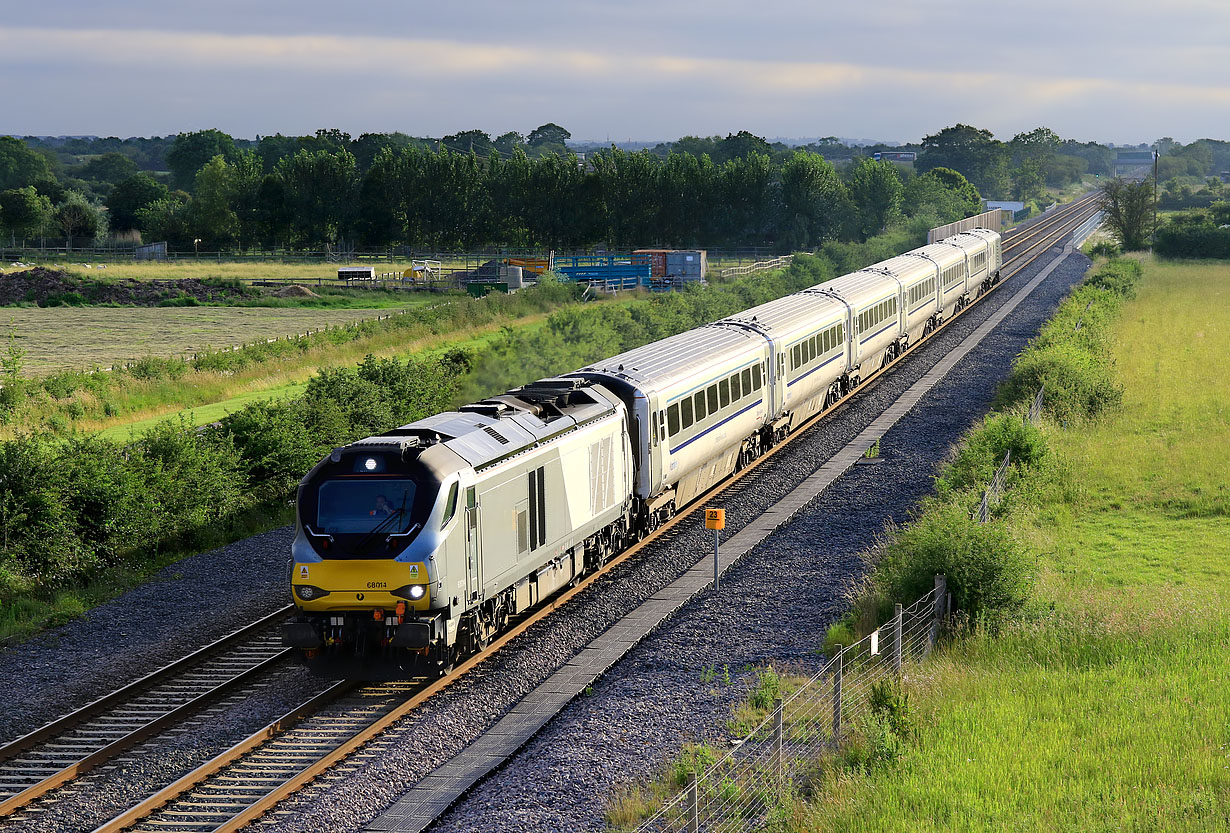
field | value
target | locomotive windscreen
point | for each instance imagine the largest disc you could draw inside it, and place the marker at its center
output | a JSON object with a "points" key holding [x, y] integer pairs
{"points": [[382, 505]]}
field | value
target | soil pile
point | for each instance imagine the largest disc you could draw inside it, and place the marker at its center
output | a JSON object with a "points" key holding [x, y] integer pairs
{"points": [[295, 291], [53, 287]]}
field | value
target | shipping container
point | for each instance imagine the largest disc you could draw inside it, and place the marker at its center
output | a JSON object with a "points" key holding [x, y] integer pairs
{"points": [[656, 258], [687, 265]]}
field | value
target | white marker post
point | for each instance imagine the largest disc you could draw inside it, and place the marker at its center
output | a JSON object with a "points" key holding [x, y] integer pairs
{"points": [[715, 519]]}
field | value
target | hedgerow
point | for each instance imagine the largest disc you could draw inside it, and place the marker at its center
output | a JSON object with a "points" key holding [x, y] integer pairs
{"points": [[989, 573]]}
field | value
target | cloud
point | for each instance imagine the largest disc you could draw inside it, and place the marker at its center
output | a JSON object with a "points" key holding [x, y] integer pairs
{"points": [[249, 83]]}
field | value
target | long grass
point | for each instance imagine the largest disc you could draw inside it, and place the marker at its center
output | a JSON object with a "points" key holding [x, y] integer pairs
{"points": [[1108, 708]]}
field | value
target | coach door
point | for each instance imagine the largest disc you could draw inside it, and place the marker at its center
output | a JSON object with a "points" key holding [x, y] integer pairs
{"points": [[473, 553]]}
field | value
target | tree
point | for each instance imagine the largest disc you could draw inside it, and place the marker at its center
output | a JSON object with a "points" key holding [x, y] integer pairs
{"points": [[812, 201], [973, 152], [76, 217], [368, 146], [1129, 211], [24, 212], [110, 167], [548, 134], [1028, 180], [167, 219], [469, 141], [747, 198], [130, 196], [21, 166], [943, 194], [321, 192], [876, 191], [741, 144], [211, 216], [190, 151], [506, 143]]}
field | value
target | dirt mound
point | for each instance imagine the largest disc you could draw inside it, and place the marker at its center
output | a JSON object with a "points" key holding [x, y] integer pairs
{"points": [[53, 287], [295, 291]]}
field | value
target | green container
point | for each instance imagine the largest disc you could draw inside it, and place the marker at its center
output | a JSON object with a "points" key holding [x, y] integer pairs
{"points": [[480, 288]]}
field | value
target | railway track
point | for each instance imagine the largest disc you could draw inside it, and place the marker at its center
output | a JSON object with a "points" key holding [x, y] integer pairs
{"points": [[55, 754], [247, 780]]}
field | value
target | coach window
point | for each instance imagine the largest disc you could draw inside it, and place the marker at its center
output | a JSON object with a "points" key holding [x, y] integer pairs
{"points": [[736, 393], [698, 405], [756, 377], [672, 419], [724, 392], [796, 357], [747, 381], [713, 399], [685, 413]]}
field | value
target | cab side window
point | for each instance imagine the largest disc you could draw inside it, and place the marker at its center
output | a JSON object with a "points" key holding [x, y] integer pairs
{"points": [[450, 507]]}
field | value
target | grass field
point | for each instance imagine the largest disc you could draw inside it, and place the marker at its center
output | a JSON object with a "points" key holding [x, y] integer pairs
{"points": [[289, 382], [56, 338], [1108, 708]]}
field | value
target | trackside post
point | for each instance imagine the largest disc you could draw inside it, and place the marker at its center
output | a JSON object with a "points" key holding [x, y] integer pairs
{"points": [[715, 519]]}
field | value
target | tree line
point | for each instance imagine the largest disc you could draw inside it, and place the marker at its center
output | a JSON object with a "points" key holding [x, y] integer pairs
{"points": [[210, 191]]}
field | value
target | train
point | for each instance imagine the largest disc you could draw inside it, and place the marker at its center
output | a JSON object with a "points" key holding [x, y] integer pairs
{"points": [[416, 548]]}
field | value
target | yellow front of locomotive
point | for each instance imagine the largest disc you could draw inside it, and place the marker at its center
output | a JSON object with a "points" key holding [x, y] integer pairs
{"points": [[365, 574]]}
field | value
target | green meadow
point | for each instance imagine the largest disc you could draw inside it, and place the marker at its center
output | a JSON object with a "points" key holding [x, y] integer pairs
{"points": [[1106, 705]]}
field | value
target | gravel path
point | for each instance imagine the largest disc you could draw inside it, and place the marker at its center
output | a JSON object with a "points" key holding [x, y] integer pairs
{"points": [[774, 606]]}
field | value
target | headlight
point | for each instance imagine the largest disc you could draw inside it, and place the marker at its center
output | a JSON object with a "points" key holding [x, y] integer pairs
{"points": [[307, 592], [414, 592]]}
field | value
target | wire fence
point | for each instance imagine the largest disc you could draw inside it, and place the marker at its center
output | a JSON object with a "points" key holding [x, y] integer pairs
{"points": [[744, 789], [994, 491]]}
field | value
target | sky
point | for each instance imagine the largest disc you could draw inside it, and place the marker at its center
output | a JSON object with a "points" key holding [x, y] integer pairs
{"points": [[1122, 71]]}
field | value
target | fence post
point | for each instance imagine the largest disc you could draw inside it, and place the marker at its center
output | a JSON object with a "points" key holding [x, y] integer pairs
{"points": [[837, 699], [897, 640], [693, 805], [779, 745], [937, 609]]}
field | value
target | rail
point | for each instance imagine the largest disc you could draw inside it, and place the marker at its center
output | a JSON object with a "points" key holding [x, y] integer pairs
{"points": [[70, 746]]}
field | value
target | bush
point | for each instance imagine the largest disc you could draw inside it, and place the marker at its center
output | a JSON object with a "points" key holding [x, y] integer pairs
{"points": [[1071, 356], [155, 367], [1117, 276], [1192, 241], [988, 573], [983, 449], [1104, 248]]}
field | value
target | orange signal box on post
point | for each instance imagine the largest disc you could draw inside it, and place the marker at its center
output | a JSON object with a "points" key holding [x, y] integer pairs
{"points": [[715, 519]]}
